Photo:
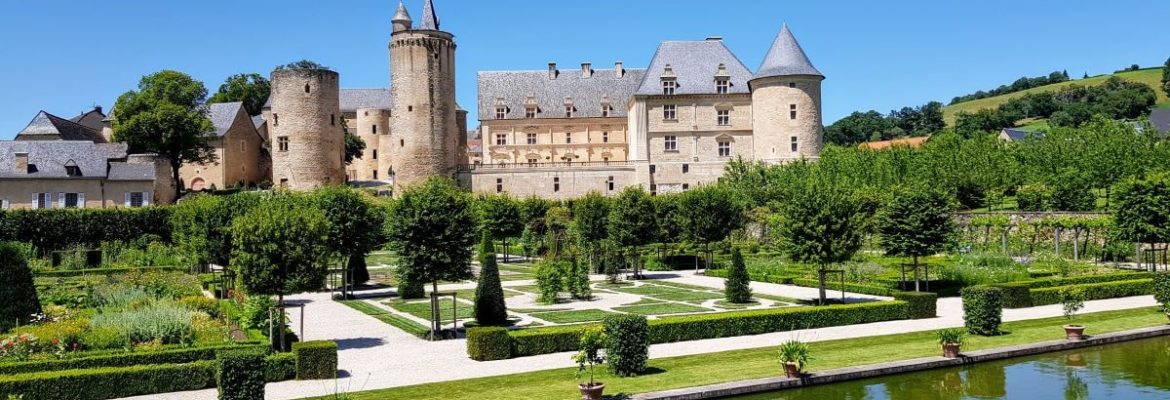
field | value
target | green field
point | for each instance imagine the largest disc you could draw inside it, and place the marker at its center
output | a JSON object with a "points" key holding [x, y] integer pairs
{"points": [[1151, 77]]}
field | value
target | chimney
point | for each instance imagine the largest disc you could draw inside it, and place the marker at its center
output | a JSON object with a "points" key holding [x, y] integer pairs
{"points": [[98, 109], [619, 69], [21, 163], [552, 70], [586, 70], [715, 38]]}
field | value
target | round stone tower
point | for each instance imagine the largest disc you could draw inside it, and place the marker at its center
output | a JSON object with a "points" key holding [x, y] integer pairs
{"points": [[422, 85], [373, 124], [786, 104], [308, 143]]}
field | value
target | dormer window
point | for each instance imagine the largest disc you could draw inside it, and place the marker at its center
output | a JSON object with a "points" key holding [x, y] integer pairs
{"points": [[72, 170], [722, 86], [501, 112], [605, 109], [530, 112], [669, 86], [568, 111]]}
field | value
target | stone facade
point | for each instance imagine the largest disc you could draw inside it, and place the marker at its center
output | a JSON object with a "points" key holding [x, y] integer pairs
{"points": [[425, 123], [561, 140], [307, 139], [372, 125], [80, 174], [238, 150], [787, 123]]}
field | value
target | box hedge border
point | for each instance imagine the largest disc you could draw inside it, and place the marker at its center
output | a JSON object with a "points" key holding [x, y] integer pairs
{"points": [[111, 382], [1096, 291], [316, 359], [103, 271], [122, 359]]}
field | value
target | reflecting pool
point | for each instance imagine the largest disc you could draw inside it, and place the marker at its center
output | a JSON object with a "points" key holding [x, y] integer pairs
{"points": [[1137, 370]]}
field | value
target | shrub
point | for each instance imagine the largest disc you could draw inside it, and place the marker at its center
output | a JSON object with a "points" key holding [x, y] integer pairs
{"points": [[1034, 197], [316, 360], [107, 383], [577, 281], [490, 308], [950, 336], [1085, 279], [240, 375], [118, 359], [627, 344], [256, 313], [1015, 295], [796, 352], [737, 289], [531, 342], [280, 367], [1095, 291], [549, 280], [489, 344], [982, 310], [106, 271], [201, 304], [920, 305], [849, 287], [165, 322], [1162, 290], [17, 291], [87, 227]]}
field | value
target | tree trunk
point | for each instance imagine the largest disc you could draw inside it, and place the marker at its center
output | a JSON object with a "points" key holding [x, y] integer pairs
{"points": [[177, 180], [505, 250], [1077, 244], [917, 281], [436, 323], [821, 278], [280, 322]]}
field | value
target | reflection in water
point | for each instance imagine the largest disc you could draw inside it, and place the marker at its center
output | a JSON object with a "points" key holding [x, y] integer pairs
{"points": [[1128, 371]]}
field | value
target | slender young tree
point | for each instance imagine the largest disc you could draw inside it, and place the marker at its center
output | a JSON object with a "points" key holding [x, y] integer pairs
{"points": [[916, 223], [490, 309], [501, 217], [356, 227], [706, 215], [591, 226], [632, 224], [737, 288], [822, 225], [1142, 210]]}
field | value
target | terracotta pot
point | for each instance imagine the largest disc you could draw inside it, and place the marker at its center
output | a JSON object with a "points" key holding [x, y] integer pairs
{"points": [[1074, 332], [791, 370], [591, 392], [951, 350]]}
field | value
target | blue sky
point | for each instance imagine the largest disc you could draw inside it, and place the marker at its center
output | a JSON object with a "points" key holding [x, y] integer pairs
{"points": [[65, 56]]}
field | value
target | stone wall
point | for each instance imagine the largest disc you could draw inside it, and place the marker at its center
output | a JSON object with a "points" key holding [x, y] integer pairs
{"points": [[372, 125], [306, 111], [98, 193], [772, 101], [592, 140], [426, 137], [551, 183]]}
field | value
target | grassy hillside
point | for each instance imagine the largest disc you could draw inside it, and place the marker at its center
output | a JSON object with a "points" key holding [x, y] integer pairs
{"points": [[1150, 76]]}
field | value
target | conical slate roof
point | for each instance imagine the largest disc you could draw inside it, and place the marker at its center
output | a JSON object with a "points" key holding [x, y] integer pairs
{"points": [[402, 14], [429, 20], [786, 58]]}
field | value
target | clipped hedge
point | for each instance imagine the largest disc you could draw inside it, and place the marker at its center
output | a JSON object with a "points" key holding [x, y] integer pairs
{"points": [[87, 227], [316, 359], [982, 310], [1084, 279], [849, 287], [530, 342], [173, 356], [1162, 289], [240, 375], [280, 367], [103, 271], [489, 344], [627, 344], [1096, 291], [921, 305], [108, 383], [18, 294], [1015, 294]]}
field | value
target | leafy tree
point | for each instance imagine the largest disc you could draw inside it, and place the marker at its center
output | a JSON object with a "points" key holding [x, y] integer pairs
{"points": [[984, 121], [821, 225], [856, 128], [166, 116], [577, 281], [916, 223], [251, 89], [737, 289], [490, 309], [201, 225], [355, 227], [281, 248], [590, 225], [500, 214], [1143, 209], [631, 216], [707, 214], [20, 294], [557, 222], [1166, 77], [354, 146], [431, 230], [302, 64]]}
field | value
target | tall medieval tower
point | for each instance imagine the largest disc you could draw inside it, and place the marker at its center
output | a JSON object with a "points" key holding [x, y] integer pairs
{"points": [[308, 143], [425, 131], [786, 103]]}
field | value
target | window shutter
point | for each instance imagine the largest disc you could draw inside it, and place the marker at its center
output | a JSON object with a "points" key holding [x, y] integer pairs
{"points": [[127, 199], [61, 200], [81, 200], [35, 204], [145, 199]]}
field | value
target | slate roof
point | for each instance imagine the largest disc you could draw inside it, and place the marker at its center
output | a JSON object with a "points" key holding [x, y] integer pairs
{"points": [[1017, 135], [785, 58], [50, 158], [1160, 118], [223, 115], [120, 171], [47, 126], [429, 20], [354, 99], [92, 119], [695, 64], [258, 121], [515, 87]]}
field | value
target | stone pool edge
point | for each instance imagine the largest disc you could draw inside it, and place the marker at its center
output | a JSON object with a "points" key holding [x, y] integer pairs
{"points": [[897, 367]]}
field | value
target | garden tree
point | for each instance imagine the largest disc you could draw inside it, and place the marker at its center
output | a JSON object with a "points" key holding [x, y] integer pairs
{"points": [[500, 215], [201, 225], [669, 232], [590, 226], [355, 227], [737, 289], [984, 121], [821, 225], [557, 222], [856, 128], [19, 294], [1166, 77], [577, 281], [532, 212], [490, 309], [166, 116], [250, 89], [432, 230], [707, 214], [281, 248], [1142, 212], [631, 218], [354, 145], [916, 223]]}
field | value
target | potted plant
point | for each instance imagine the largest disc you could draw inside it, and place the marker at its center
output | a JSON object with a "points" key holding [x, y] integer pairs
{"points": [[589, 356], [1073, 300], [794, 354], [951, 341]]}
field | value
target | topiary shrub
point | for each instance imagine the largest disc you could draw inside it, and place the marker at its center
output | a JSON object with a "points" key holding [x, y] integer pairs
{"points": [[490, 309], [1162, 290], [577, 281], [240, 375], [17, 291], [550, 280], [628, 344], [737, 289], [1015, 295], [489, 344], [982, 310], [921, 305], [316, 360], [280, 367]]}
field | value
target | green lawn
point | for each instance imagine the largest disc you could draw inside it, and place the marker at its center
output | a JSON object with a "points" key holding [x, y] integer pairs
{"points": [[572, 317], [422, 309], [396, 321], [663, 292], [662, 309], [705, 369]]}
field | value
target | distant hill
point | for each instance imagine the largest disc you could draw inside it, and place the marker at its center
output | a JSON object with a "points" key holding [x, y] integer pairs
{"points": [[1148, 76]]}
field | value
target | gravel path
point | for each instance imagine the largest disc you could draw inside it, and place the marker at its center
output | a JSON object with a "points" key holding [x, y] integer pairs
{"points": [[373, 355]]}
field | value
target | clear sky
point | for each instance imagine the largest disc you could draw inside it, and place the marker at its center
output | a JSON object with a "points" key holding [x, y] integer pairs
{"points": [[66, 56]]}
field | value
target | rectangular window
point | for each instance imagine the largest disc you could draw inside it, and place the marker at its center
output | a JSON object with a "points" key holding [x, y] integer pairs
{"points": [[72, 170], [668, 87], [568, 111], [137, 199], [374, 129], [282, 143], [501, 139], [791, 84], [375, 174], [604, 137], [375, 154], [670, 144], [4, 204], [792, 111], [723, 117], [609, 184], [501, 112], [794, 144], [531, 138], [605, 111], [725, 149], [568, 137], [686, 168], [722, 86], [532, 162], [653, 189], [70, 200], [42, 200], [686, 186], [670, 112], [530, 112], [653, 169], [243, 146], [556, 184], [499, 185]]}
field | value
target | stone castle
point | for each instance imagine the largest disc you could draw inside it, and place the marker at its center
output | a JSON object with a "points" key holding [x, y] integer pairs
{"points": [[551, 133]]}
